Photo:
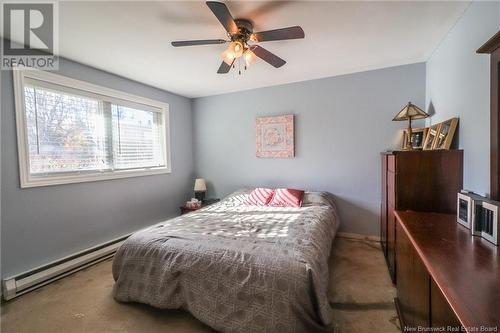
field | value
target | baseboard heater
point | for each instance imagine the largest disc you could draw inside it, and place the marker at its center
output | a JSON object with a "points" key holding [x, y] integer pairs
{"points": [[40, 276]]}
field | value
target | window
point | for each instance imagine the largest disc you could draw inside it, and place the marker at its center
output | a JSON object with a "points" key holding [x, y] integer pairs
{"points": [[72, 131]]}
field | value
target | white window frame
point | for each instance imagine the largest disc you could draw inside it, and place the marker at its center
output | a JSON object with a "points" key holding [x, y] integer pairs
{"points": [[29, 180]]}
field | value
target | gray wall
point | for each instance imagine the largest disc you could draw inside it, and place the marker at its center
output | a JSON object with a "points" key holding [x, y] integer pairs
{"points": [[458, 84], [342, 124], [46, 223]]}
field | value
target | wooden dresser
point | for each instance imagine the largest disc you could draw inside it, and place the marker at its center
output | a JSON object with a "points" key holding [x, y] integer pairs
{"points": [[419, 181], [448, 279]]}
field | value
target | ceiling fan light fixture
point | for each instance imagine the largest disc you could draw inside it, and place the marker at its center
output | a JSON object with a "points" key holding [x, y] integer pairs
{"points": [[249, 57], [233, 51], [236, 48], [228, 56]]}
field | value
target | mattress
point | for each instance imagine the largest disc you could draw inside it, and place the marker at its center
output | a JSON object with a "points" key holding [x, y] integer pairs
{"points": [[235, 267]]}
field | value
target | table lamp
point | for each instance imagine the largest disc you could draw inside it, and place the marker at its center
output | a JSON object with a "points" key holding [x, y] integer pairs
{"points": [[410, 112], [200, 187]]}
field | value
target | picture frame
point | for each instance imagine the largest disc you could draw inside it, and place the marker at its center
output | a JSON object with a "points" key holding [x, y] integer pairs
{"points": [[274, 136], [431, 136], [418, 138], [446, 134]]}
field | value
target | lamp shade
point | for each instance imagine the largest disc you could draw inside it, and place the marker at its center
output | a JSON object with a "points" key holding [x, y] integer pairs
{"points": [[199, 185], [410, 111]]}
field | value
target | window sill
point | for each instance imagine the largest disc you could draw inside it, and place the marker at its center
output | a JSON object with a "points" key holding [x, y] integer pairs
{"points": [[36, 181]]}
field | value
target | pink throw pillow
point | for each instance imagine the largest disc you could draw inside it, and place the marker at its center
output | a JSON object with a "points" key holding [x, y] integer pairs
{"points": [[286, 197], [260, 196]]}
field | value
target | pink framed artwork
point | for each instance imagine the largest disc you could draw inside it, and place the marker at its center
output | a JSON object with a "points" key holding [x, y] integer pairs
{"points": [[274, 136]]}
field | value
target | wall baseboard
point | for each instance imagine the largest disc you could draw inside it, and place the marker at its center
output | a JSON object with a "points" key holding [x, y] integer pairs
{"points": [[35, 278], [358, 236]]}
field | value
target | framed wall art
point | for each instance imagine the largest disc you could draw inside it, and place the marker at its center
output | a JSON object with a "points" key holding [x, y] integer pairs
{"points": [[446, 133], [274, 136], [418, 136], [431, 137], [440, 136]]}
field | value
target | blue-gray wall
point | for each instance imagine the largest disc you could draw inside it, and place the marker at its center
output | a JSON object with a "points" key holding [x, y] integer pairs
{"points": [[342, 124], [46, 223], [458, 84]]}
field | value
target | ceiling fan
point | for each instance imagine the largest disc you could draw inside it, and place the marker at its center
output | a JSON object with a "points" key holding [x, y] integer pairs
{"points": [[243, 41]]}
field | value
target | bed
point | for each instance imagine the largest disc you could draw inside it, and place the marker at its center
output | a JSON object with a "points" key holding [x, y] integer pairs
{"points": [[235, 267]]}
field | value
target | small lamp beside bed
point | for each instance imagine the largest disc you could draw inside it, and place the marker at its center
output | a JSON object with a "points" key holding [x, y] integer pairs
{"points": [[200, 188]]}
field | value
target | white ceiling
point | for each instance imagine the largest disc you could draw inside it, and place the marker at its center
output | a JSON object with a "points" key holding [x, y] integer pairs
{"points": [[132, 39]]}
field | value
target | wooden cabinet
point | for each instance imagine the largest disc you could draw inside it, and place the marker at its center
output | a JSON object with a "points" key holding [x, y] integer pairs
{"points": [[383, 208], [448, 280], [441, 314], [413, 284], [391, 242], [419, 181], [492, 47]]}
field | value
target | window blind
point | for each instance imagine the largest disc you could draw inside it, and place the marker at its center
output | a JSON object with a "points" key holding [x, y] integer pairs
{"points": [[136, 138]]}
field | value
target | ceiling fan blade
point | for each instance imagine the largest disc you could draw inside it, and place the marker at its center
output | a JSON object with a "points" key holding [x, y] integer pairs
{"points": [[222, 13], [279, 34], [267, 56], [224, 68], [198, 42]]}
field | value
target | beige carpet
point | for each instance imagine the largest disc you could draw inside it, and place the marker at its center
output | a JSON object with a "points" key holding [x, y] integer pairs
{"points": [[360, 292]]}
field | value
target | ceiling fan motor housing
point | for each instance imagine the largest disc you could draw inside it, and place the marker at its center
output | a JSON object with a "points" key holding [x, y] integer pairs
{"points": [[245, 30]]}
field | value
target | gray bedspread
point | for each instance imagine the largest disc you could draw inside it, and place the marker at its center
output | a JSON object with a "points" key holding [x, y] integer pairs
{"points": [[235, 267]]}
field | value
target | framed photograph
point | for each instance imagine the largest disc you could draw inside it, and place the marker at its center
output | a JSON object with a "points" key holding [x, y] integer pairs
{"points": [[446, 133], [431, 136], [274, 136], [418, 136]]}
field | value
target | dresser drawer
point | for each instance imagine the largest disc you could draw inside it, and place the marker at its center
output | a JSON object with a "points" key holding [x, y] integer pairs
{"points": [[391, 188], [391, 163], [442, 314], [413, 284], [391, 242]]}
